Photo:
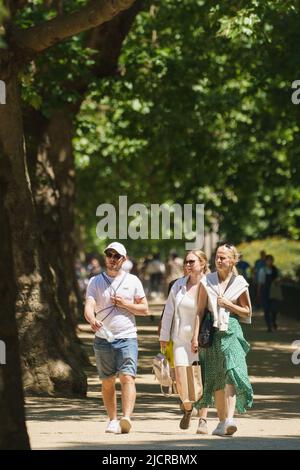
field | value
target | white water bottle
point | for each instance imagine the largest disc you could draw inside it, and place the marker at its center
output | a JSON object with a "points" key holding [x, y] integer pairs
{"points": [[108, 335]]}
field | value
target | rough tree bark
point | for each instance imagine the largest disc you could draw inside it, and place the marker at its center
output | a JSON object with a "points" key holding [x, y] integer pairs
{"points": [[52, 366], [52, 173], [50, 363], [13, 434], [52, 166]]}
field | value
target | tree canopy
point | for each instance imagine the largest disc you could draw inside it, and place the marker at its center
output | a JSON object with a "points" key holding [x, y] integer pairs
{"points": [[201, 113], [198, 111]]}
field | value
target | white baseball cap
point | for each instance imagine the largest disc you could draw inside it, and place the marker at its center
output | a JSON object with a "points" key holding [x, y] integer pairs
{"points": [[118, 247]]}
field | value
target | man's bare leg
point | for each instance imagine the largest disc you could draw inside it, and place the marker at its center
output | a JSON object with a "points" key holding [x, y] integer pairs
{"points": [[109, 397], [128, 394]]}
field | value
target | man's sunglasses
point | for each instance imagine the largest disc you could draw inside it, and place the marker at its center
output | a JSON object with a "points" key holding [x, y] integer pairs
{"points": [[190, 261], [111, 255]]}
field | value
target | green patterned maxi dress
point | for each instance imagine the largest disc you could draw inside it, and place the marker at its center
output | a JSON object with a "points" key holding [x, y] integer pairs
{"points": [[225, 363]]}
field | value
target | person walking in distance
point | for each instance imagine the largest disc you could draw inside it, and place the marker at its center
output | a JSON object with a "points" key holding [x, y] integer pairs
{"points": [[113, 299], [267, 277]]}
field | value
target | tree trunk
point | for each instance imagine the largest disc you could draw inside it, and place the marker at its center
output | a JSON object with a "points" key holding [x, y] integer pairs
{"points": [[52, 167], [44, 252], [52, 175], [49, 359], [13, 434], [60, 133]]}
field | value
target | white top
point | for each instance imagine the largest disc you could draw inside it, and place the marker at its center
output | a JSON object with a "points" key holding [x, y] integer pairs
{"points": [[120, 322], [178, 322], [237, 287], [182, 342], [187, 315], [171, 319]]}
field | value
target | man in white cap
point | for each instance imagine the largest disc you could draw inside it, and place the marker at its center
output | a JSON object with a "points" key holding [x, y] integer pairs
{"points": [[113, 298]]}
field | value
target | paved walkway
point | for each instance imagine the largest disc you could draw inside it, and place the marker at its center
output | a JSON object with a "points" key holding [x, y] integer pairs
{"points": [[273, 422]]}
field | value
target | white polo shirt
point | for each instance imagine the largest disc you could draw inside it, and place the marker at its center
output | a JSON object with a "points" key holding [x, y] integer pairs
{"points": [[120, 322]]}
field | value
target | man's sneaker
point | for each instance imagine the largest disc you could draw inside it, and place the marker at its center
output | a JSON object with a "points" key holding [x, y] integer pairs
{"points": [[125, 425], [186, 419], [113, 427], [230, 427], [202, 426], [220, 429]]}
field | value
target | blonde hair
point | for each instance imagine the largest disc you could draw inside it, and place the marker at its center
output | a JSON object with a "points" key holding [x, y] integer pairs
{"points": [[201, 257], [234, 255]]}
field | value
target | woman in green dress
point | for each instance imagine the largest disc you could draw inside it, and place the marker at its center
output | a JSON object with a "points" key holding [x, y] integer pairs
{"points": [[225, 294]]}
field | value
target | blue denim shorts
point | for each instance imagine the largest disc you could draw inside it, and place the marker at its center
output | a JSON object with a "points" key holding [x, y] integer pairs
{"points": [[118, 357]]}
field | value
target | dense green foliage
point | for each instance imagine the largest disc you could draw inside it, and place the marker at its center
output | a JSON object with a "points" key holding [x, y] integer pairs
{"points": [[3, 14], [201, 113]]}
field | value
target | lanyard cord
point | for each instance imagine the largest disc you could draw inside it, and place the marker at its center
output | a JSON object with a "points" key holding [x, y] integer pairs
{"points": [[108, 282]]}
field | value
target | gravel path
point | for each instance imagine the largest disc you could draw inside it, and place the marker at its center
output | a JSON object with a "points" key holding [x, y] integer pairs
{"points": [[273, 422]]}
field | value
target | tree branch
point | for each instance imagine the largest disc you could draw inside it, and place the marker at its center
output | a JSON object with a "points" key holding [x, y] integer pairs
{"points": [[14, 5], [38, 38], [108, 41]]}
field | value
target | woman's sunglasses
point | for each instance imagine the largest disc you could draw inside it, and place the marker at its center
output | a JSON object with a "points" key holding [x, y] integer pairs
{"points": [[190, 261], [111, 255]]}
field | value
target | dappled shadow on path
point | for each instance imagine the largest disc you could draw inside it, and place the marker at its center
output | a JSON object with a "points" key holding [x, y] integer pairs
{"points": [[276, 400], [196, 443], [271, 353], [276, 383]]}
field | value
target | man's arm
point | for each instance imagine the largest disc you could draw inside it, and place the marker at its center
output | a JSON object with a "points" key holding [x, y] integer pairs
{"points": [[89, 314], [140, 308]]}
